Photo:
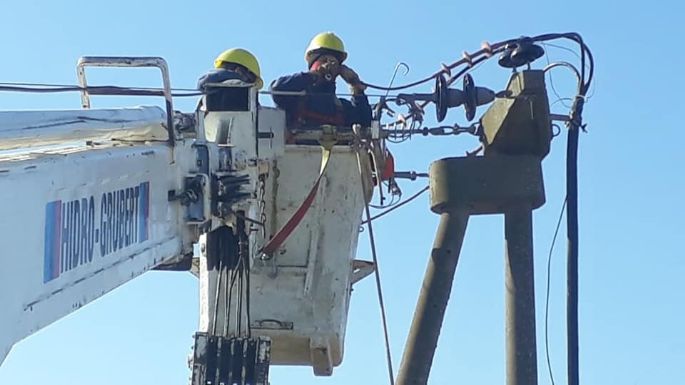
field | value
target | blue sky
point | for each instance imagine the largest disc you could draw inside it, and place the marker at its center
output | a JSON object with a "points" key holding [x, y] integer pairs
{"points": [[631, 186]]}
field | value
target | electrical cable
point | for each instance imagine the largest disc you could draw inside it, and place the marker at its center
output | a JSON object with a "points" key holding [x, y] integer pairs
{"points": [[487, 51], [551, 79], [380, 295], [229, 294], [547, 295], [572, 262], [135, 91], [398, 205], [217, 295], [247, 300], [560, 100], [377, 274], [551, 66], [244, 271], [575, 125], [239, 304]]}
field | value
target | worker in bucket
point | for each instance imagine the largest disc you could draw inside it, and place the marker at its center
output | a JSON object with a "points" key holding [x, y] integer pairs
{"points": [[237, 67], [324, 56]]}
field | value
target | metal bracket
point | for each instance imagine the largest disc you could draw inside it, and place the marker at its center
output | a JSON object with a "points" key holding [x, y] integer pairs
{"points": [[361, 269], [227, 189], [126, 61], [195, 196], [272, 324]]}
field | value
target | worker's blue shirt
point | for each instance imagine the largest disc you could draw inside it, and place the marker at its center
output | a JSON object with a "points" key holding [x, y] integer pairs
{"points": [[220, 98], [320, 99], [217, 76]]}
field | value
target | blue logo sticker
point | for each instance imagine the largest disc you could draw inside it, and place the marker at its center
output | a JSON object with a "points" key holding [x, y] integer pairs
{"points": [[80, 230]]}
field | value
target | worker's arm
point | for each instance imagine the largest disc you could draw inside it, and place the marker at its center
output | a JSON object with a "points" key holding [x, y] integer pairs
{"points": [[358, 111], [291, 83], [215, 76]]}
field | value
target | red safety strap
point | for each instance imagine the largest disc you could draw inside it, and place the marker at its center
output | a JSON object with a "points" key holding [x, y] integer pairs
{"points": [[283, 234]]}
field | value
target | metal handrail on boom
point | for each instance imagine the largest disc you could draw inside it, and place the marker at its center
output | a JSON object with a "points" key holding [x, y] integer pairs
{"points": [[127, 61]]}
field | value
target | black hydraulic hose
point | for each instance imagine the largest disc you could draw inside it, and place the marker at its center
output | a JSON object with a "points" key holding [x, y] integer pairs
{"points": [[575, 125], [572, 257]]}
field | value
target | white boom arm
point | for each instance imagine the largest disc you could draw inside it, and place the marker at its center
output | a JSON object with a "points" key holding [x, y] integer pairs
{"points": [[124, 192], [78, 222]]}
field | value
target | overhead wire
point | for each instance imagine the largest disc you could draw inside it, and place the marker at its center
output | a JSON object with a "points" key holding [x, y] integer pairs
{"points": [[397, 206], [489, 51], [547, 292], [560, 100], [134, 91], [374, 256], [551, 80]]}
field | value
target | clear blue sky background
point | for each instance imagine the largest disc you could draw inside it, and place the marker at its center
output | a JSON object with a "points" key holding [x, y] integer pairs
{"points": [[631, 183]]}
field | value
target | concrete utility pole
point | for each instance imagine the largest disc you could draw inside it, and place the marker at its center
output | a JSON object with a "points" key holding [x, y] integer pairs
{"points": [[506, 180]]}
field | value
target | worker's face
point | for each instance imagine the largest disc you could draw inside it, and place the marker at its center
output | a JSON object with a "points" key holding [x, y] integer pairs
{"points": [[329, 65]]}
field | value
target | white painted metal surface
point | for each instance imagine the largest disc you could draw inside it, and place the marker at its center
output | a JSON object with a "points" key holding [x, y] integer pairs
{"points": [[22, 129], [83, 220], [80, 222], [270, 122], [301, 298], [304, 292]]}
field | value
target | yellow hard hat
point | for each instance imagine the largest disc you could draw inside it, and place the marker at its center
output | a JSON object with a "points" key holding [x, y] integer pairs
{"points": [[325, 41], [242, 57]]}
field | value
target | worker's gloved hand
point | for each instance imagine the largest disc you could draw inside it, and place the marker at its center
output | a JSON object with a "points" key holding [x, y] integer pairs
{"points": [[351, 78]]}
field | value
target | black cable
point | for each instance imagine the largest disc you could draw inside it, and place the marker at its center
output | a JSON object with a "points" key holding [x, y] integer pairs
{"points": [[404, 86], [394, 198], [234, 250], [575, 125], [126, 91], [234, 276], [244, 271], [397, 206], [452, 79], [215, 316], [549, 275], [572, 263], [247, 299], [472, 58], [239, 304], [229, 296], [485, 53], [229, 300], [379, 290], [93, 90]]}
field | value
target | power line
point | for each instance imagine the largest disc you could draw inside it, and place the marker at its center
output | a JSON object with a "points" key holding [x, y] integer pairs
{"points": [[397, 206], [547, 295]]}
